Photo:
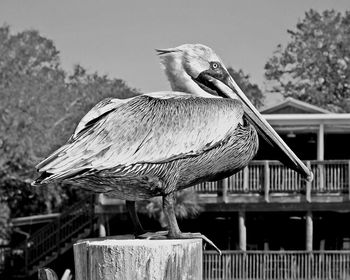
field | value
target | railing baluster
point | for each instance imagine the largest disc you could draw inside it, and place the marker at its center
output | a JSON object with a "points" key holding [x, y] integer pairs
{"points": [[308, 185], [246, 178], [266, 181]]}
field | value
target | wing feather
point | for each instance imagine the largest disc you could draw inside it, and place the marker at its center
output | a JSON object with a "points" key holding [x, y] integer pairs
{"points": [[144, 129]]}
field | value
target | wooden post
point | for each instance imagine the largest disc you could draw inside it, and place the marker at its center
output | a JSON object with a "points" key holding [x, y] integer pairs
{"points": [[309, 231], [222, 189], [308, 185], [246, 179], [267, 181], [101, 225], [136, 259], [320, 142], [242, 231], [320, 154]]}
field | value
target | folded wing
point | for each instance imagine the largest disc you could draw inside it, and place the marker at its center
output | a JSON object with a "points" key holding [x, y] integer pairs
{"points": [[143, 129]]}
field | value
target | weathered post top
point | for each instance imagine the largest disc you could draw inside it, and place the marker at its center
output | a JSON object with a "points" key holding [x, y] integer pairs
{"points": [[136, 259]]}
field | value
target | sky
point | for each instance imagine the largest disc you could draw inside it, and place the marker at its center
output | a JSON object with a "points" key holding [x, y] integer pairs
{"points": [[118, 38]]}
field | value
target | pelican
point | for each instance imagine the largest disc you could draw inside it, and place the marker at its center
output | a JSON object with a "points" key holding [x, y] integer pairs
{"points": [[155, 144]]}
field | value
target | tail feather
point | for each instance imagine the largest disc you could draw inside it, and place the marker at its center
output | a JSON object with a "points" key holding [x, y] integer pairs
{"points": [[50, 158], [47, 177], [39, 181]]}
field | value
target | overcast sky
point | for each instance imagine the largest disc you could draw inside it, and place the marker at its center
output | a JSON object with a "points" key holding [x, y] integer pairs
{"points": [[118, 38]]}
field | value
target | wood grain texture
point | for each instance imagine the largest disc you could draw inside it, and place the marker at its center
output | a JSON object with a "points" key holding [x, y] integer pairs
{"points": [[135, 259]]}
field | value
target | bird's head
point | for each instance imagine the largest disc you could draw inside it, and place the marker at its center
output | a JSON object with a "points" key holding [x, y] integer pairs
{"points": [[197, 69], [191, 67]]}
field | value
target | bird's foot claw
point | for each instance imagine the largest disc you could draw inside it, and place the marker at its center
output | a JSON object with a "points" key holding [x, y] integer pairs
{"points": [[182, 235], [154, 235], [192, 235]]}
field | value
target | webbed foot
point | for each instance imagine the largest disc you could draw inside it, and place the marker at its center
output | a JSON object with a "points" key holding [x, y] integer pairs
{"points": [[153, 235], [193, 235], [181, 235]]}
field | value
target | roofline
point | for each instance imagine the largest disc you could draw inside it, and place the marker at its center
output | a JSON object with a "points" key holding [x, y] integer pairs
{"points": [[324, 117], [300, 104], [333, 122]]}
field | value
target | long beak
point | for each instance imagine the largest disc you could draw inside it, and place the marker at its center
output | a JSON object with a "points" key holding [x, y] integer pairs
{"points": [[230, 89]]}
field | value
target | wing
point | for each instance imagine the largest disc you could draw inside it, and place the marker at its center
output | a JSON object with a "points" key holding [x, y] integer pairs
{"points": [[145, 129], [99, 111]]}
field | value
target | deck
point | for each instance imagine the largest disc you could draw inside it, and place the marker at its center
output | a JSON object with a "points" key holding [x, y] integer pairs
{"points": [[270, 186]]}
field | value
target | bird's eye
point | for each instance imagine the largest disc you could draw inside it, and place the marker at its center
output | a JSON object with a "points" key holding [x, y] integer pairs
{"points": [[215, 65]]}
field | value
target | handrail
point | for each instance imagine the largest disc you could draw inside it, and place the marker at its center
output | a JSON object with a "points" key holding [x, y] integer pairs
{"points": [[293, 265], [50, 238], [273, 177]]}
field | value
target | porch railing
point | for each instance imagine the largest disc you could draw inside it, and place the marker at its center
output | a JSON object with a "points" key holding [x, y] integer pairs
{"points": [[50, 239], [293, 265], [273, 177]]}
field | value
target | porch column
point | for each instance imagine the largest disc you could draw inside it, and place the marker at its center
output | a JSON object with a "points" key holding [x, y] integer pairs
{"points": [[242, 231], [320, 142], [222, 190], [309, 231], [320, 154], [101, 225]]}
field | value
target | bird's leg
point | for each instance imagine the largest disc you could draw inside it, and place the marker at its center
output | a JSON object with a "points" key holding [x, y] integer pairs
{"points": [[138, 229], [173, 227], [169, 211], [131, 208]]}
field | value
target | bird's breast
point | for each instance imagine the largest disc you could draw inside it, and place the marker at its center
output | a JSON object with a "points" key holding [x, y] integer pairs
{"points": [[226, 159]]}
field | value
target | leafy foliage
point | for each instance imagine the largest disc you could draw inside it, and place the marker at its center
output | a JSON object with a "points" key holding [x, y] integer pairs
{"points": [[315, 65], [186, 206], [39, 109], [5, 228], [252, 91]]}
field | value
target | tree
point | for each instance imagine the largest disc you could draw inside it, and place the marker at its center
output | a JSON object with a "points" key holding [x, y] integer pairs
{"points": [[315, 65], [5, 228], [39, 109], [252, 91], [187, 206]]}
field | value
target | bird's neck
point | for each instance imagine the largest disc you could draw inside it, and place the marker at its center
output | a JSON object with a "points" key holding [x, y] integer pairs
{"points": [[180, 80]]}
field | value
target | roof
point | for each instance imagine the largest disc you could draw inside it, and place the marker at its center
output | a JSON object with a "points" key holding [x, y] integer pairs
{"points": [[338, 123], [294, 106]]}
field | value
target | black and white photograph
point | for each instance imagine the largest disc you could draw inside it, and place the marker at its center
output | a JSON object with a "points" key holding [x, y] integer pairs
{"points": [[175, 140]]}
